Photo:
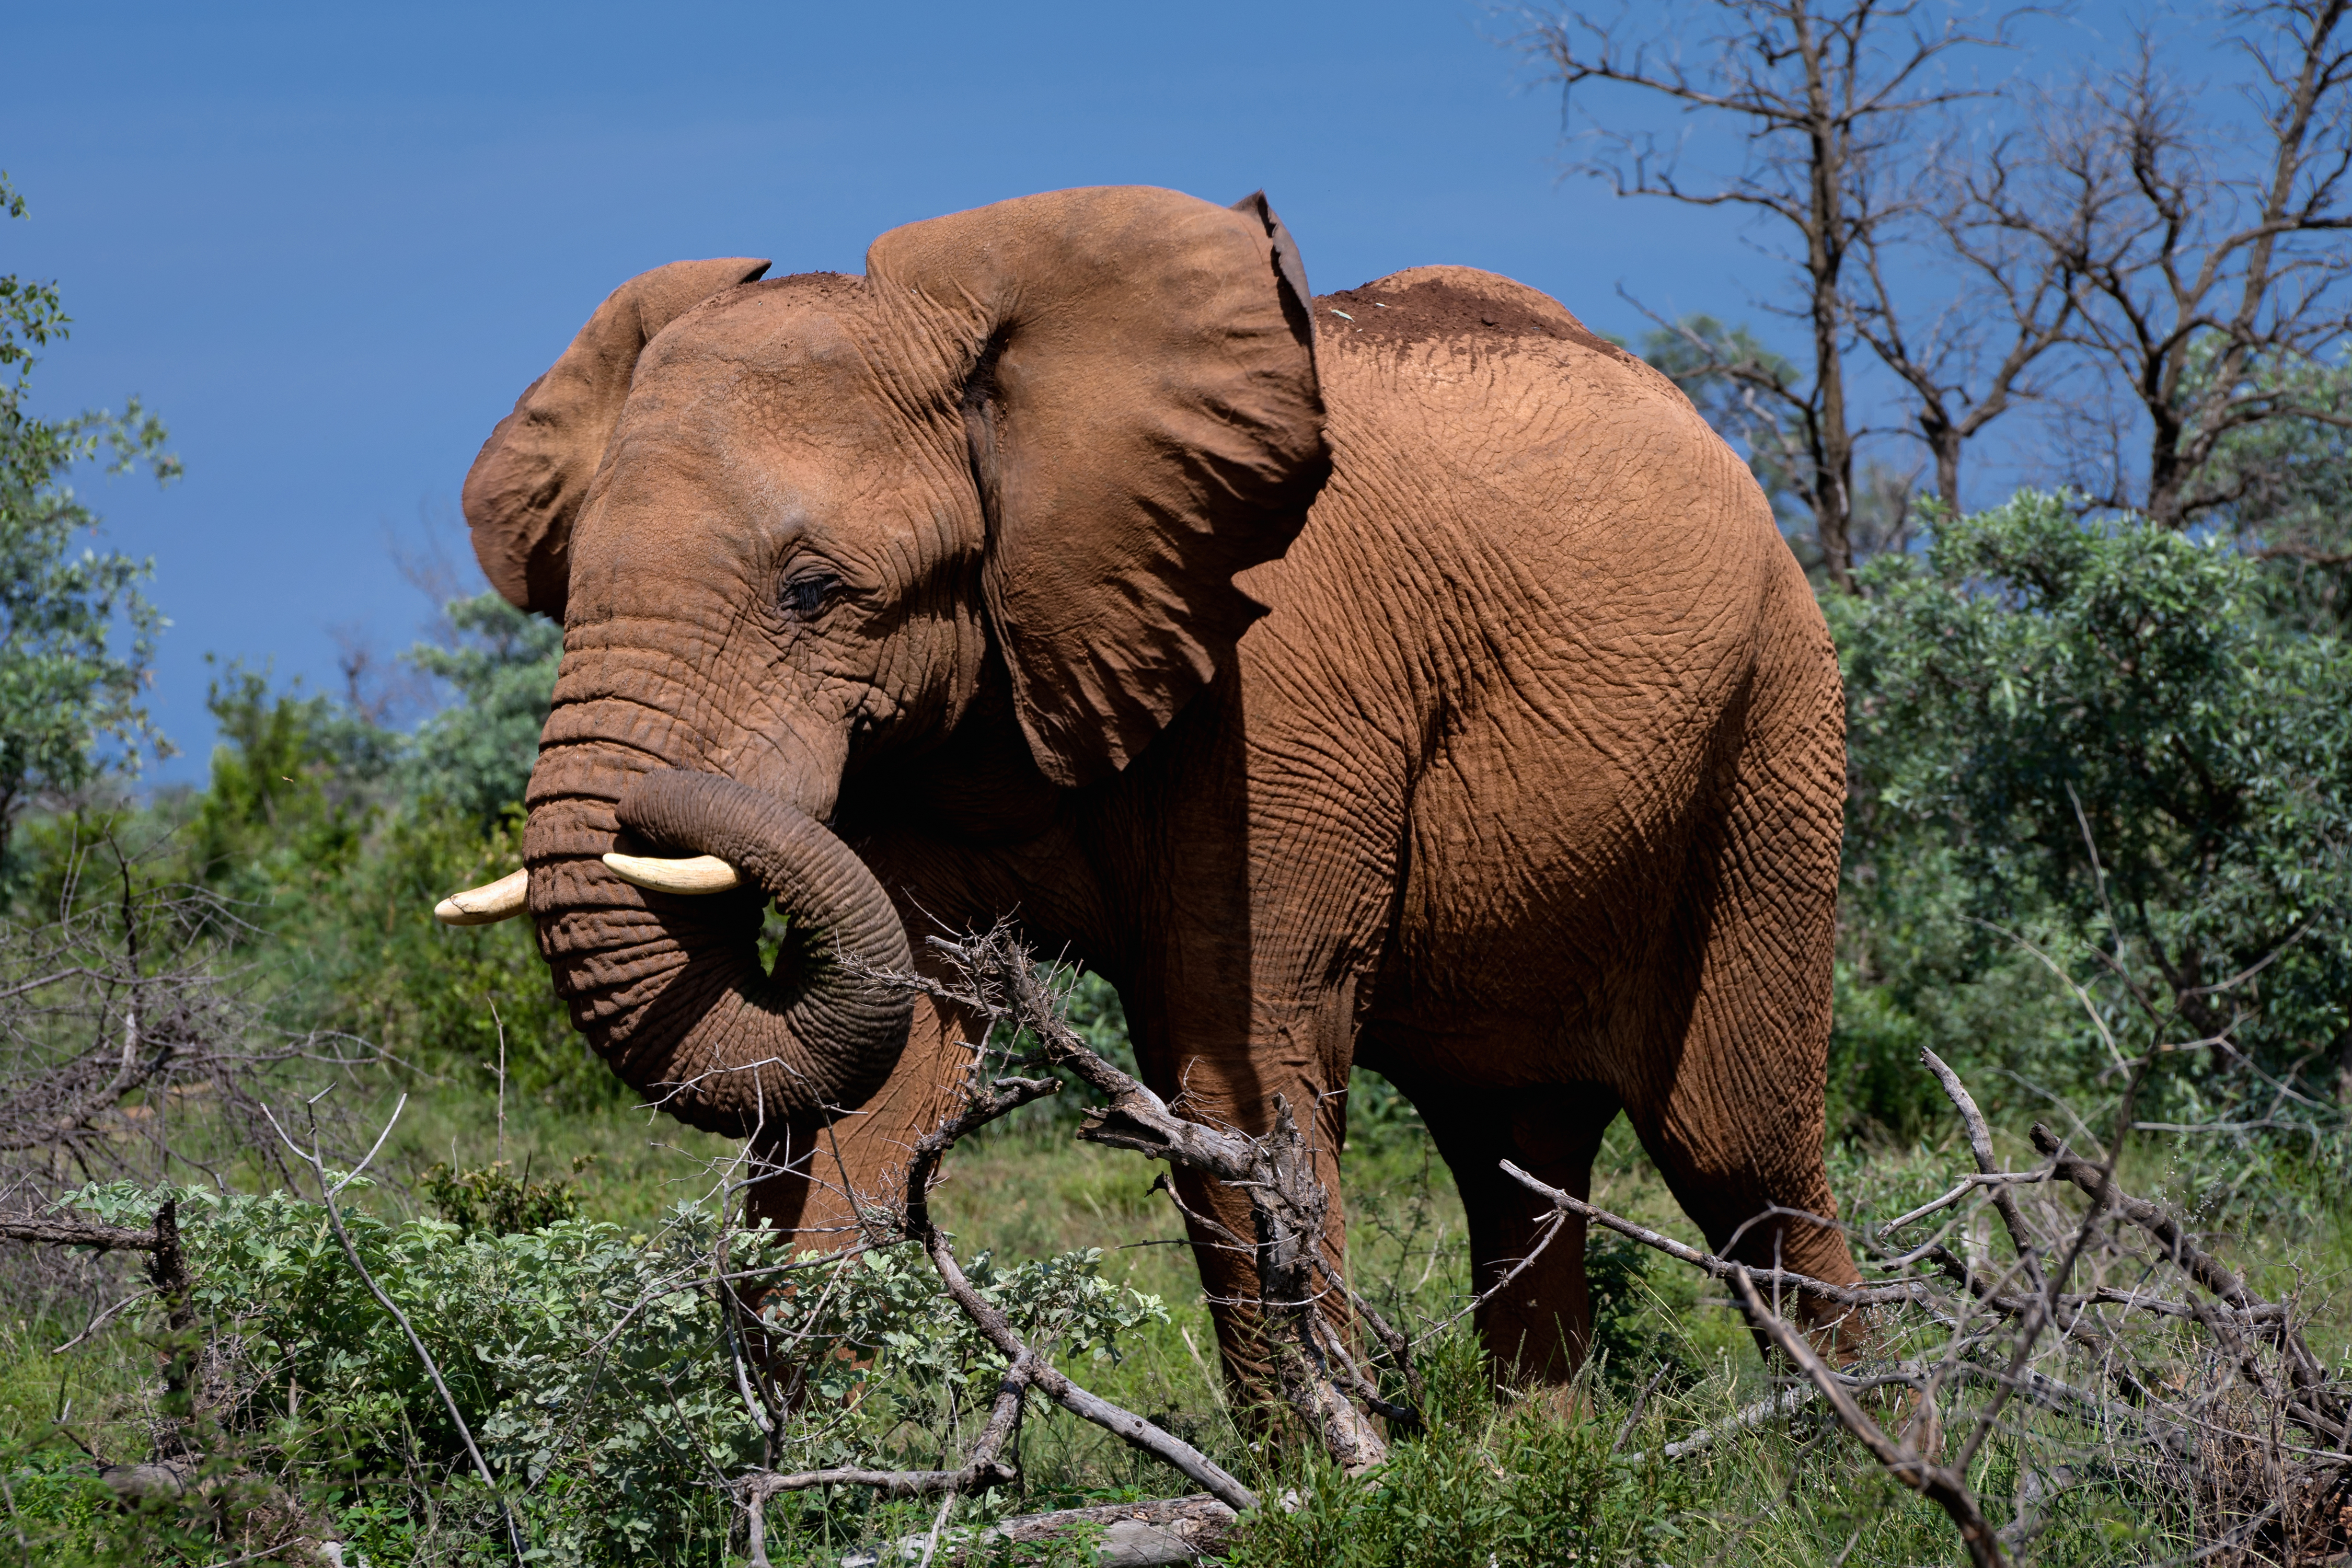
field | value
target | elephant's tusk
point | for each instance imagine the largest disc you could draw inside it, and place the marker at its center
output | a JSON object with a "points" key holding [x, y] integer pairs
{"points": [[699, 874], [486, 905]]}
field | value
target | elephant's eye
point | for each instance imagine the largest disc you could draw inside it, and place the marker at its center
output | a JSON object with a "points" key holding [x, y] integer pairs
{"points": [[803, 596]]}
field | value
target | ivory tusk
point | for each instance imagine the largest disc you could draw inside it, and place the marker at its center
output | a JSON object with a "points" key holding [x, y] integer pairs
{"points": [[700, 874], [488, 904]]}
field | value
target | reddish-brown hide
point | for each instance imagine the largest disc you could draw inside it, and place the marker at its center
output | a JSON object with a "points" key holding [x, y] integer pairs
{"points": [[1510, 765]]}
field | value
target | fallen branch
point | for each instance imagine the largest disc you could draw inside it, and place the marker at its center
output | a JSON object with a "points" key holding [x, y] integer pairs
{"points": [[75, 1233], [981, 1471], [1288, 1204], [1981, 1145], [2325, 1413], [1134, 1534], [1787, 1402], [1946, 1488], [1905, 1293]]}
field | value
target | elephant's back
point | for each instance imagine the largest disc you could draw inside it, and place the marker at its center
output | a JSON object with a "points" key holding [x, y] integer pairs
{"points": [[1555, 591], [1562, 498], [1500, 386], [1455, 306]]}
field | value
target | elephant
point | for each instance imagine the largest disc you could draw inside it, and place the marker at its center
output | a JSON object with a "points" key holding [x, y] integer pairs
{"points": [[1405, 677]]}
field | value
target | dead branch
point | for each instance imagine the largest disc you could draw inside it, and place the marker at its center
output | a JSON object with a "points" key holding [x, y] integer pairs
{"points": [[981, 1471], [1008, 1095], [2182, 1422], [1910, 1293], [1946, 1488], [130, 1049], [1981, 1145], [2320, 1407], [1784, 1403], [75, 1233], [1289, 1205]]}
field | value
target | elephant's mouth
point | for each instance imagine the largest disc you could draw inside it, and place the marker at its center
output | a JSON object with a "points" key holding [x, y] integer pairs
{"points": [[698, 1025]]}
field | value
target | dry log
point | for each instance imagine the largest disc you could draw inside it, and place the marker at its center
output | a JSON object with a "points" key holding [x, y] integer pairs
{"points": [[1134, 1534]]}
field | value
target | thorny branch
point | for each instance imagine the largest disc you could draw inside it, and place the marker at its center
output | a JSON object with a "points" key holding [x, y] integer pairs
{"points": [[1941, 1485], [2260, 1352], [985, 963]]}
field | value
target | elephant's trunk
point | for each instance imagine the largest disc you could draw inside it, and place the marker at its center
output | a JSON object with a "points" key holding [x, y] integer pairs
{"points": [[670, 990]]}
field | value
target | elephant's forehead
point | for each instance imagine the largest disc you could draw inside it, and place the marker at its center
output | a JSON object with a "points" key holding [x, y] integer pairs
{"points": [[773, 395], [771, 418], [754, 358]]}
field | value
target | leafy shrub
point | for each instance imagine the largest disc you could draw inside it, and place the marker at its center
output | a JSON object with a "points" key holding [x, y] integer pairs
{"points": [[2091, 737], [593, 1368], [887, 1305], [497, 1200], [1486, 1484]]}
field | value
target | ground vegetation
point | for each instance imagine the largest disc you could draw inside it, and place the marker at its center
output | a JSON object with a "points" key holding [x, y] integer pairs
{"points": [[324, 1234]]}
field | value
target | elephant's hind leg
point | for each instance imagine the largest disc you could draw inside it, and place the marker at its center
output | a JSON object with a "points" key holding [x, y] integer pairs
{"points": [[1724, 1083]]}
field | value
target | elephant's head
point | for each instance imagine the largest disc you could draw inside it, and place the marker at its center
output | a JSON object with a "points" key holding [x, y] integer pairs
{"points": [[795, 529]]}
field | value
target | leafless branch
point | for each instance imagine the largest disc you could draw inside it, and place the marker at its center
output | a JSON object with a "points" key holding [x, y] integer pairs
{"points": [[1828, 101], [1947, 1487], [313, 1159]]}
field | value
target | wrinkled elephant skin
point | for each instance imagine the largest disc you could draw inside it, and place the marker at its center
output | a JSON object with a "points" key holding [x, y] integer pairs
{"points": [[1403, 677]]}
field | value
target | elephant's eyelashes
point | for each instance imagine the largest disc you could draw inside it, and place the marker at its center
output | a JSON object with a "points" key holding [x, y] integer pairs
{"points": [[803, 597]]}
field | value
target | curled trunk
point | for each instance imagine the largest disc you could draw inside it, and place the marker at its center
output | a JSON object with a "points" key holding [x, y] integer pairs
{"points": [[670, 990]]}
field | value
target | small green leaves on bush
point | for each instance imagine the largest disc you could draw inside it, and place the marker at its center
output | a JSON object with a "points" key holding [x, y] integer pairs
{"points": [[497, 1200]]}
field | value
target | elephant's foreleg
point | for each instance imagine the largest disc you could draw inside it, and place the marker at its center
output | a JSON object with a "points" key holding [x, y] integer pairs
{"points": [[1223, 1227], [818, 1179]]}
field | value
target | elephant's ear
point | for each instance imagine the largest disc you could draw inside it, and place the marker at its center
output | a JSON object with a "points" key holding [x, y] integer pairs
{"points": [[1138, 374], [527, 483]]}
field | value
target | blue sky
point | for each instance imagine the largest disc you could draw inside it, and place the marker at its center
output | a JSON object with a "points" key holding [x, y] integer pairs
{"points": [[329, 244]]}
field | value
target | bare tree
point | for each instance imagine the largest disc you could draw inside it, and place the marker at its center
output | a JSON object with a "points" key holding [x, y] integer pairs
{"points": [[1985, 349], [128, 1050], [2201, 279], [1830, 102]]}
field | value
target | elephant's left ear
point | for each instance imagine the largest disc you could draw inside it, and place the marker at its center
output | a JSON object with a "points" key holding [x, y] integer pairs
{"points": [[1138, 376], [527, 483]]}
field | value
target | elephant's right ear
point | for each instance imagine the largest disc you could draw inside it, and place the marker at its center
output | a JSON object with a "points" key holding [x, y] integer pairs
{"points": [[526, 485], [1136, 370]]}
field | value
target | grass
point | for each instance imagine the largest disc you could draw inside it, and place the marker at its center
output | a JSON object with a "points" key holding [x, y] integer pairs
{"points": [[1493, 1480]]}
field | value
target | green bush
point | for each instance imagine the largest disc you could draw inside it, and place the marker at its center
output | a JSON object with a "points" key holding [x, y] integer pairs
{"points": [[497, 1200], [2090, 738], [593, 1367]]}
